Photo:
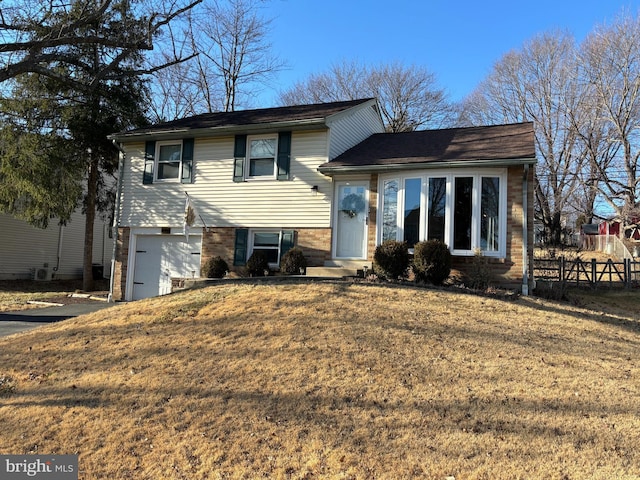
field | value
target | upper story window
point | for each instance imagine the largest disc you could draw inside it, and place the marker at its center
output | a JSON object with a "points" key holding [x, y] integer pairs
{"points": [[261, 156], [169, 160], [169, 157]]}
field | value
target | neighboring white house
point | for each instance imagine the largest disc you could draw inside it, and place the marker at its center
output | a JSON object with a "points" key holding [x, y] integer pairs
{"points": [[325, 178], [52, 253]]}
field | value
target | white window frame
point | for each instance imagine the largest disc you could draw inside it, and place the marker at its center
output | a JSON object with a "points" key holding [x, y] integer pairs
{"points": [[252, 233], [156, 168], [450, 177], [247, 166]]}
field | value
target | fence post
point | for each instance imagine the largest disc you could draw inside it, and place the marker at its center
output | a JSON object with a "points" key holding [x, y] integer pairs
{"points": [[594, 272], [627, 273], [561, 268]]}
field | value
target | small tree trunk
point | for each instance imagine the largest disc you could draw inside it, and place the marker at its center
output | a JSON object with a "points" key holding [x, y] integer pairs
{"points": [[90, 215]]}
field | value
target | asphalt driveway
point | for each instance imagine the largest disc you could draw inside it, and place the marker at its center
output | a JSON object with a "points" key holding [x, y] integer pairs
{"points": [[15, 322]]}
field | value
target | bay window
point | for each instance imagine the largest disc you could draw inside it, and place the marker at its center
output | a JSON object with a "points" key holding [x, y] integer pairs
{"points": [[462, 213], [465, 210], [412, 211], [490, 214], [436, 208], [389, 209]]}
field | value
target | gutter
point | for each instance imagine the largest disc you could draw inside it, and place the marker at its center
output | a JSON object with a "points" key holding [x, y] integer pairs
{"points": [[525, 232], [116, 218], [308, 124], [331, 169]]}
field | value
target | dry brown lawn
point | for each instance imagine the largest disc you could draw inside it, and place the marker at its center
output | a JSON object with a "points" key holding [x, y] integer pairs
{"points": [[331, 380]]}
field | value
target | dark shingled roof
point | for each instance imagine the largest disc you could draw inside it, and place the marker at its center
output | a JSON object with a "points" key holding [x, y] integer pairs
{"points": [[261, 116], [497, 143]]}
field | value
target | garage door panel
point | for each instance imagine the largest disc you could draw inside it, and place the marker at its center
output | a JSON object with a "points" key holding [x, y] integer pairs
{"points": [[161, 257]]}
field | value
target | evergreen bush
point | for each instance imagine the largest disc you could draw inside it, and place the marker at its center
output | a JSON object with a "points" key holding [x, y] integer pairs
{"points": [[293, 262], [391, 259], [480, 274], [215, 267], [258, 265], [431, 262]]}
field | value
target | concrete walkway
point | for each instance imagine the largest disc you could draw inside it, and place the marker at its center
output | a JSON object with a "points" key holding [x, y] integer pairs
{"points": [[15, 322]]}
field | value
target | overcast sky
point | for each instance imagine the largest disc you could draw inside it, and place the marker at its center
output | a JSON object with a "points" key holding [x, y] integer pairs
{"points": [[459, 41]]}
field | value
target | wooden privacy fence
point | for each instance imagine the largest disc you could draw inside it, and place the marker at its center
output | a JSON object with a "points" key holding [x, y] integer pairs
{"points": [[589, 273]]}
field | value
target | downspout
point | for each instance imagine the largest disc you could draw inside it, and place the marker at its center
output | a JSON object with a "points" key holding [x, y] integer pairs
{"points": [[116, 220], [59, 254], [525, 232]]}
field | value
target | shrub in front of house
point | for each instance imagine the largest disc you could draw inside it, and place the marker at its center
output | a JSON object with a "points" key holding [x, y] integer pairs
{"points": [[431, 262], [258, 265], [480, 273], [215, 267], [391, 260], [293, 262]]}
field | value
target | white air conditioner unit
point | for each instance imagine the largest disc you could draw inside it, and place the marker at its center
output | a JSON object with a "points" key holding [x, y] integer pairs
{"points": [[42, 274]]}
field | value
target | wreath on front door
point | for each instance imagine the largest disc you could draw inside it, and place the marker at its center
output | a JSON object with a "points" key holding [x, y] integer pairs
{"points": [[352, 205]]}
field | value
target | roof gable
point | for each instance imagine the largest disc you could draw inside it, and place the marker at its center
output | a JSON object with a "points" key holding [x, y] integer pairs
{"points": [[489, 144], [315, 114]]}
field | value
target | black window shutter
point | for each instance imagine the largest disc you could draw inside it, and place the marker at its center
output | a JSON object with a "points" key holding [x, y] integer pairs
{"points": [[284, 155], [241, 245], [239, 155], [286, 242], [187, 160], [149, 154]]}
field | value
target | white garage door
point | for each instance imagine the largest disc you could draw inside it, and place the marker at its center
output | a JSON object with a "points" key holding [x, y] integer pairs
{"points": [[158, 258]]}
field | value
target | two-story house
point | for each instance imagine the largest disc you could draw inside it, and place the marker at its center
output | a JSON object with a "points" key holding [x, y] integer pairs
{"points": [[325, 178]]}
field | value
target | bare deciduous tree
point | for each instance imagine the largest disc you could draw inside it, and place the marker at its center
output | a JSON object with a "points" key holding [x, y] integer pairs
{"points": [[611, 58], [43, 37], [233, 61], [538, 83], [409, 97]]}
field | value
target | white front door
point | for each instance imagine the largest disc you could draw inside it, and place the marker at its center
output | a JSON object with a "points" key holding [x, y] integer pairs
{"points": [[351, 219]]}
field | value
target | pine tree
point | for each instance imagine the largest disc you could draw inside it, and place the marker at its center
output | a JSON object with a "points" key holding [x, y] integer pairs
{"points": [[55, 155]]}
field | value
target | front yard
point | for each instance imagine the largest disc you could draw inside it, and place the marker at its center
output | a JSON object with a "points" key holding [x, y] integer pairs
{"points": [[331, 380]]}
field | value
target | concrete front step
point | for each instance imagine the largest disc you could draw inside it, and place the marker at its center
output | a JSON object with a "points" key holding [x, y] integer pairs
{"points": [[331, 272], [352, 264], [339, 269]]}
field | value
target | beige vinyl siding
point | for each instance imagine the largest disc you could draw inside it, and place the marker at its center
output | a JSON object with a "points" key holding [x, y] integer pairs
{"points": [[349, 130], [25, 247], [224, 203]]}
